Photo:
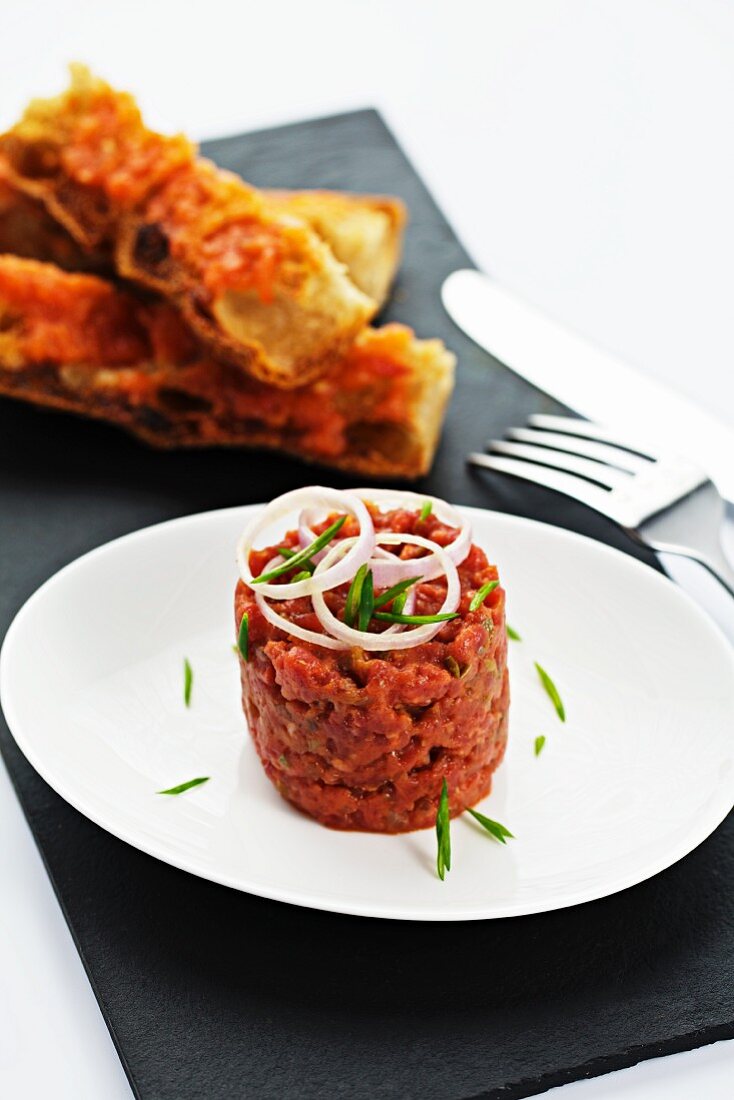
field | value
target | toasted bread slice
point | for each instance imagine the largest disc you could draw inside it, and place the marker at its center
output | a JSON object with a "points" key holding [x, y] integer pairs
{"points": [[365, 232], [80, 343], [261, 288]]}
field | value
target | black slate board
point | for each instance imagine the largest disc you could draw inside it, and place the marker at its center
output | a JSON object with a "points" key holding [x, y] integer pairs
{"points": [[213, 994]]}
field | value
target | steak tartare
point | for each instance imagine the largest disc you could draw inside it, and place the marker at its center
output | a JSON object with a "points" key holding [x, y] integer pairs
{"points": [[361, 736]]}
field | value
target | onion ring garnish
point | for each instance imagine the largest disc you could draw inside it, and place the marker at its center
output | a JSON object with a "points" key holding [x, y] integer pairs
{"points": [[302, 632], [427, 567], [286, 625], [394, 569], [310, 497], [447, 513], [345, 560]]}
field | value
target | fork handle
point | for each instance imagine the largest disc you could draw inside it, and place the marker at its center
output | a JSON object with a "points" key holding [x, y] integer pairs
{"points": [[714, 560]]}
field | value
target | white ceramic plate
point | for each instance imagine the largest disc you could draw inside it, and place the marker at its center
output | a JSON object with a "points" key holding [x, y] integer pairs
{"points": [[92, 687]]}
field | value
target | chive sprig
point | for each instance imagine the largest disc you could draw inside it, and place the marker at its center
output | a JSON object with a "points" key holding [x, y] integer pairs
{"points": [[243, 637], [499, 832], [186, 786], [354, 595], [188, 681], [396, 590], [551, 691], [443, 833], [288, 553], [481, 594], [301, 557], [416, 620], [366, 602]]}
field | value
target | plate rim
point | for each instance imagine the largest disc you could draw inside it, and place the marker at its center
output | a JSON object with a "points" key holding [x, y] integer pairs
{"points": [[333, 903]]}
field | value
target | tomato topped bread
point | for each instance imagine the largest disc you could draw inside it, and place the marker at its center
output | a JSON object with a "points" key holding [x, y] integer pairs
{"points": [[27, 229], [81, 343], [363, 231], [260, 287]]}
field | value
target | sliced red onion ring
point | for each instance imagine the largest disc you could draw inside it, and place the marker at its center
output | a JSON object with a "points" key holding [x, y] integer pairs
{"points": [[393, 569], [409, 603], [427, 567], [286, 625], [294, 629], [349, 637], [306, 535], [338, 563], [313, 496], [447, 513], [303, 632]]}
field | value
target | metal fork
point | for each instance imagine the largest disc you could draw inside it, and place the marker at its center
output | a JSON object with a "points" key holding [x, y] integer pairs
{"points": [[661, 500]]}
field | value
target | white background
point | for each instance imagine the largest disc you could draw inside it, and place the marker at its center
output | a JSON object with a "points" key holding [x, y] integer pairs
{"points": [[583, 151]]}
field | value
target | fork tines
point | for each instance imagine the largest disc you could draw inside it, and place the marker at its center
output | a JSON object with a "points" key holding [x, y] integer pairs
{"points": [[595, 465]]}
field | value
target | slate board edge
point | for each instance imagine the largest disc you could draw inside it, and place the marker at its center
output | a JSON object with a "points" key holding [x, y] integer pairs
{"points": [[62, 906], [599, 1067]]}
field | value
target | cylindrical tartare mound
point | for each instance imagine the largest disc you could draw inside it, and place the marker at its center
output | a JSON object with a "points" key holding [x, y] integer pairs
{"points": [[363, 740]]}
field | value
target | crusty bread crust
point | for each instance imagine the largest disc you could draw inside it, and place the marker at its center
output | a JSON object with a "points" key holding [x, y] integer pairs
{"points": [[260, 287], [365, 232], [27, 229], [80, 343]]}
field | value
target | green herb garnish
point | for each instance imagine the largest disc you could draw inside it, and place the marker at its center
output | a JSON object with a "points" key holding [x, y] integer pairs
{"points": [[186, 786], [302, 556], [512, 634], [188, 681], [418, 620], [499, 832], [552, 692], [399, 603], [396, 590], [288, 553], [426, 510], [539, 742], [443, 833], [354, 595], [302, 576], [243, 638], [481, 595], [366, 602]]}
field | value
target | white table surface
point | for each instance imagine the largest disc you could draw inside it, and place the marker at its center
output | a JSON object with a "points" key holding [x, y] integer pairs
{"points": [[582, 150]]}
